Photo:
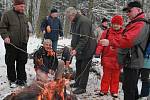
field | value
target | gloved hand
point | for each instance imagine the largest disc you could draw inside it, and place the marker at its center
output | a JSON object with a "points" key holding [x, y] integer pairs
{"points": [[40, 61]]}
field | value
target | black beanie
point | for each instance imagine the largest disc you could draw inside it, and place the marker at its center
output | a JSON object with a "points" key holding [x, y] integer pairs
{"points": [[54, 11], [104, 20]]}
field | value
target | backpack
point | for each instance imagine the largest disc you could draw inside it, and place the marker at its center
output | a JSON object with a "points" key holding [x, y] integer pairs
{"points": [[124, 55], [146, 51]]}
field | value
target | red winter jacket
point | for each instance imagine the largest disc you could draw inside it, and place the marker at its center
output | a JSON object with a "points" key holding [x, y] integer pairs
{"points": [[109, 53], [136, 34]]}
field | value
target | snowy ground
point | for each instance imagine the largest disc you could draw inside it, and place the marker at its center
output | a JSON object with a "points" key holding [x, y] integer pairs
{"points": [[35, 43]]}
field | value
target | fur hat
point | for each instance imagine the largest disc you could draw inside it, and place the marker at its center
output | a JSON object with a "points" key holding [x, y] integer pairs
{"points": [[132, 4], [18, 2], [117, 19], [54, 10]]}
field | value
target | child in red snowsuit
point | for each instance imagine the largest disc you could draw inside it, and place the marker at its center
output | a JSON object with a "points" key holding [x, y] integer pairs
{"points": [[111, 68]]}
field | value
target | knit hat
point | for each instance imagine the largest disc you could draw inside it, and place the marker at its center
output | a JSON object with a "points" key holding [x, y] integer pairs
{"points": [[54, 10], [117, 19], [104, 20], [132, 4], [18, 2]]}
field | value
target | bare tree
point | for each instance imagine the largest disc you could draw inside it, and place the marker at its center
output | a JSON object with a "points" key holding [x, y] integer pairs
{"points": [[90, 9]]}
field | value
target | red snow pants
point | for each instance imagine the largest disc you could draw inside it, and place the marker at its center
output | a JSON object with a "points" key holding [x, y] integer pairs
{"points": [[110, 80]]}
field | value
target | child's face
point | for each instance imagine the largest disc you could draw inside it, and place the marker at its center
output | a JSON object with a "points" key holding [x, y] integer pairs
{"points": [[116, 26]]}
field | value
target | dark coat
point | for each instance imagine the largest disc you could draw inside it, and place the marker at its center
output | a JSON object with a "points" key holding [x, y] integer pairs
{"points": [[49, 62], [83, 37], [56, 28], [15, 26], [66, 54]]}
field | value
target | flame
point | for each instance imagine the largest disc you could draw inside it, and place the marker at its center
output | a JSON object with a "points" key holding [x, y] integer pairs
{"points": [[52, 87], [46, 91], [39, 97]]}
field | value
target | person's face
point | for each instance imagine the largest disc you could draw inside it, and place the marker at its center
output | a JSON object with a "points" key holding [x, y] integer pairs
{"points": [[131, 13], [54, 15], [70, 17], [47, 46], [105, 23], [20, 8], [116, 26]]}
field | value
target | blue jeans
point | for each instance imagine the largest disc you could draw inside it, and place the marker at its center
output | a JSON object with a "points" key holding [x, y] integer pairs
{"points": [[54, 45]]}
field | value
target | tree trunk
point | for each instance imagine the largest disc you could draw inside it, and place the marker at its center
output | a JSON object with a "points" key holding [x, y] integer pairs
{"points": [[90, 14], [42, 15], [30, 11]]}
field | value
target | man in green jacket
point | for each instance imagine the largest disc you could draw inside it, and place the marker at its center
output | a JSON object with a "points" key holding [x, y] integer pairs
{"points": [[14, 31], [83, 47]]}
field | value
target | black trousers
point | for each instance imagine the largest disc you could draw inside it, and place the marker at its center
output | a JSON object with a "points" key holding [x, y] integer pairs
{"points": [[82, 72], [145, 90], [130, 83], [15, 61]]}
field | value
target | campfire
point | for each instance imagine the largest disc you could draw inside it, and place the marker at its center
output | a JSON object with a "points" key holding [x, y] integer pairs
{"points": [[52, 90]]}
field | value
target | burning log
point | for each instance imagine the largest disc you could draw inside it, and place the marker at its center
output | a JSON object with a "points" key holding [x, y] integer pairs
{"points": [[28, 93]]}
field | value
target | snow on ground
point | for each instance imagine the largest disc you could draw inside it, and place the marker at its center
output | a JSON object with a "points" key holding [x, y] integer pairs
{"points": [[2, 52], [34, 43]]}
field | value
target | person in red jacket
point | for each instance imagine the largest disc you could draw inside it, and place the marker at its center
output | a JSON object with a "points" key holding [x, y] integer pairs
{"points": [[131, 44], [111, 68]]}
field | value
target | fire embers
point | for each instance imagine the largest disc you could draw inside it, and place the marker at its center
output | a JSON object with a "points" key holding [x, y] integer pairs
{"points": [[53, 90], [28, 93], [56, 90]]}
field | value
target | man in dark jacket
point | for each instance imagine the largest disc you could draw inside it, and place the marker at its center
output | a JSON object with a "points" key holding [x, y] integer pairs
{"points": [[45, 61], [15, 34], [52, 28], [131, 43], [83, 47]]}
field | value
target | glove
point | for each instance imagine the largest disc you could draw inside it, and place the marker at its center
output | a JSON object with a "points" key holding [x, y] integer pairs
{"points": [[40, 61]]}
